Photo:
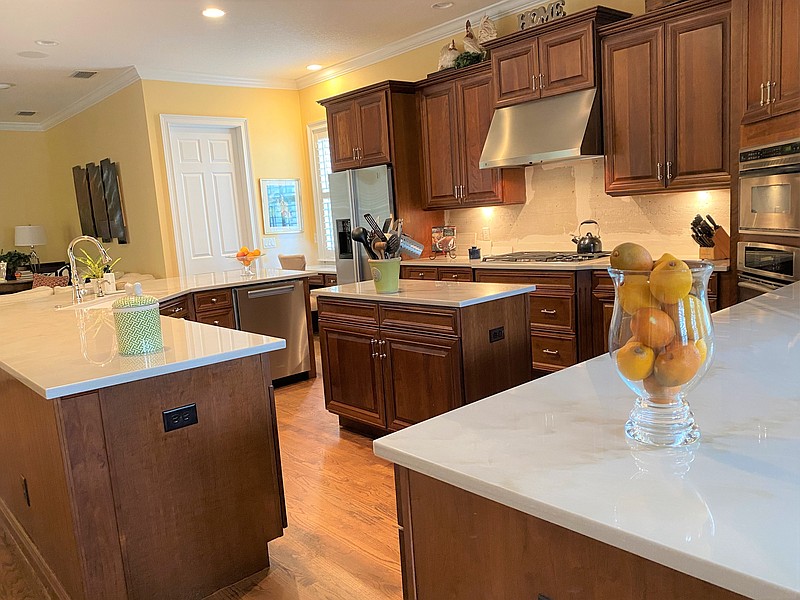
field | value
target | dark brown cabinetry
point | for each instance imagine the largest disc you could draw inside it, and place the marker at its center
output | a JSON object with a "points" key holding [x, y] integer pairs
{"points": [[179, 308], [455, 115], [359, 131], [215, 308], [771, 58], [436, 273], [373, 354], [666, 91]]}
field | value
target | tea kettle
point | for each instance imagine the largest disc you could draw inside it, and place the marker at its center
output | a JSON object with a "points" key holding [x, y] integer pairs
{"points": [[588, 244]]}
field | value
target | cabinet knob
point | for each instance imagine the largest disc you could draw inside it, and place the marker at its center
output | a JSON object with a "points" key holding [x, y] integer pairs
{"points": [[548, 351], [547, 311], [215, 322], [213, 301]]}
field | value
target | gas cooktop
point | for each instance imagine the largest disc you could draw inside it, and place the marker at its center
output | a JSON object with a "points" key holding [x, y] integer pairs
{"points": [[545, 257]]}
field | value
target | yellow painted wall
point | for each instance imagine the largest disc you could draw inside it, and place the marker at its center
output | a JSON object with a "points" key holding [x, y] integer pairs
{"points": [[25, 193], [114, 128], [277, 149]]}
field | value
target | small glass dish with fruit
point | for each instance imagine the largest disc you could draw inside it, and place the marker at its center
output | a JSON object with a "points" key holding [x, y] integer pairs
{"points": [[247, 257], [661, 340]]}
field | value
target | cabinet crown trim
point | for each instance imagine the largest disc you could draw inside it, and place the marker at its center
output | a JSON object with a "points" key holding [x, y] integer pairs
{"points": [[660, 15]]}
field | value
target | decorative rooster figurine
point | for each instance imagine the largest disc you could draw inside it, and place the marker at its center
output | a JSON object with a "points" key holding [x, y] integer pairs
{"points": [[486, 30], [447, 57], [470, 43]]}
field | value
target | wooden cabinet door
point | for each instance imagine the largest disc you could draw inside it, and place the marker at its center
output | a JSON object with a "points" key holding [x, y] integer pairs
{"points": [[516, 73], [411, 398], [633, 105], [602, 311], [566, 59], [372, 121], [697, 100], [441, 158], [757, 47], [786, 57], [352, 375], [475, 110], [343, 134]]}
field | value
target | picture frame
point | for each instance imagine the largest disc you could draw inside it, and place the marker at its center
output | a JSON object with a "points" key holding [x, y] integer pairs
{"points": [[280, 206]]}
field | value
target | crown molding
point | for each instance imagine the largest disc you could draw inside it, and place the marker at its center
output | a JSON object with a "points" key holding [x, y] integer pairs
{"points": [[223, 80], [11, 126], [496, 11], [109, 88]]}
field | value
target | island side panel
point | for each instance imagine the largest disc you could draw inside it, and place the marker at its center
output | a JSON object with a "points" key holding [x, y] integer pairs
{"points": [[30, 448], [460, 546], [490, 366], [80, 422], [195, 506]]}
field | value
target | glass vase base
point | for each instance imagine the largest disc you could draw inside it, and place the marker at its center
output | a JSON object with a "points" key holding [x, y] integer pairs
{"points": [[668, 425]]}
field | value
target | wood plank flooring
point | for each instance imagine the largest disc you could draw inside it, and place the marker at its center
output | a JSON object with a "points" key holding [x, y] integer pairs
{"points": [[341, 543]]}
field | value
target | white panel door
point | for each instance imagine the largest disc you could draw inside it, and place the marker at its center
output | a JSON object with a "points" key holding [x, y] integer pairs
{"points": [[213, 208]]}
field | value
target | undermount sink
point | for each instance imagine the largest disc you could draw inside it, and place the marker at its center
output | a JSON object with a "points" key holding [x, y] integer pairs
{"points": [[93, 304]]}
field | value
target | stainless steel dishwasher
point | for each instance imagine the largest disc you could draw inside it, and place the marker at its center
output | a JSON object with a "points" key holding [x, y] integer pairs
{"points": [[279, 310]]}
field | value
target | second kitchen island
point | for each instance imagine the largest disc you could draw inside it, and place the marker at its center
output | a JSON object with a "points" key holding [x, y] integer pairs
{"points": [[393, 360]]}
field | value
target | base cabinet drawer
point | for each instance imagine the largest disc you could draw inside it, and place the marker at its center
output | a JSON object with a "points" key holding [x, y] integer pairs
{"points": [[426, 273], [553, 312], [551, 352], [212, 300], [220, 318], [453, 274], [178, 308]]}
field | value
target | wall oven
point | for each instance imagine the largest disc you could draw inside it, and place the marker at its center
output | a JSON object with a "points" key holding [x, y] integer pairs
{"points": [[765, 267], [769, 189]]}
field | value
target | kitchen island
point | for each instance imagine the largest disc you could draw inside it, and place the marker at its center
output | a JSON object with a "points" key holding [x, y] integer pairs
{"points": [[537, 491], [392, 360], [154, 476]]}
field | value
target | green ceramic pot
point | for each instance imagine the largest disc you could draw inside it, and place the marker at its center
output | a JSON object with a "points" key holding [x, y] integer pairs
{"points": [[138, 324], [386, 275]]}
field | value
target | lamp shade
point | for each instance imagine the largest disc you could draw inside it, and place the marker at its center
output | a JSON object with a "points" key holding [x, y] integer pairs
{"points": [[29, 235]]}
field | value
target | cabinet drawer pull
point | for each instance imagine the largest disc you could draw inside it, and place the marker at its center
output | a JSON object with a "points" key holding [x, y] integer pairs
{"points": [[770, 92], [548, 351], [454, 276], [213, 300], [533, 83], [547, 311], [176, 310], [421, 275], [762, 102], [541, 81], [669, 170], [372, 348], [215, 322], [658, 172], [354, 154]]}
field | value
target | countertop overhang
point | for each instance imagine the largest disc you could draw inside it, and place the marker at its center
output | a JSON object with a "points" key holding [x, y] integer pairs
{"points": [[450, 294], [63, 352], [726, 511], [597, 264]]}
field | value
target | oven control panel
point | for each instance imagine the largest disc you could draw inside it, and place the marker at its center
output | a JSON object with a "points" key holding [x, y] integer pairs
{"points": [[762, 152]]}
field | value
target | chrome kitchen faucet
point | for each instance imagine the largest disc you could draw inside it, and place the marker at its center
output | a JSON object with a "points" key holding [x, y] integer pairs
{"points": [[78, 290]]}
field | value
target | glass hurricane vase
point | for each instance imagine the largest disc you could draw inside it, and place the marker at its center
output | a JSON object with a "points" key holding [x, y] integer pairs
{"points": [[661, 341]]}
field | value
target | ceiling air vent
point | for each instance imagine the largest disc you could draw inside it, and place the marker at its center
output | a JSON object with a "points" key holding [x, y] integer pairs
{"points": [[83, 74], [26, 113]]}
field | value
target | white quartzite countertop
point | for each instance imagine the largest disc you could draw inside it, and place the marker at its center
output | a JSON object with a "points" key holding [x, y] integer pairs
{"points": [[450, 294], [596, 264], [726, 511], [62, 352]]}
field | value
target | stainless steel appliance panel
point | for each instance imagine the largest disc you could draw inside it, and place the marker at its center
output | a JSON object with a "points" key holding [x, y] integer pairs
{"points": [[342, 213], [279, 310], [774, 261]]}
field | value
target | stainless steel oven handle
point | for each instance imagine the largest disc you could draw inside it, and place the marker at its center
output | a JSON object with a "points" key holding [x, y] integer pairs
{"points": [[273, 291], [758, 287]]}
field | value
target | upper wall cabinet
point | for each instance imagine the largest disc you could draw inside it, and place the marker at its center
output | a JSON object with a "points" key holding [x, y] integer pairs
{"points": [[456, 110], [360, 125], [666, 91], [549, 59], [771, 58]]}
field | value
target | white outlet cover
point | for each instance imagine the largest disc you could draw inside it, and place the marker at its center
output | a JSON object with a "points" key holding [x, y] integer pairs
{"points": [[270, 242], [485, 234]]}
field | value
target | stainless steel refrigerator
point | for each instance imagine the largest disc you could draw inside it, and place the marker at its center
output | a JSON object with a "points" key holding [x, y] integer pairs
{"points": [[354, 193]]}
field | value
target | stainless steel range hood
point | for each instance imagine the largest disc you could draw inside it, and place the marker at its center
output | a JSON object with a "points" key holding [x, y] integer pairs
{"points": [[564, 127]]}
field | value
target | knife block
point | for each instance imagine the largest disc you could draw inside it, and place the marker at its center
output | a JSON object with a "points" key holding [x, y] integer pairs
{"points": [[721, 249]]}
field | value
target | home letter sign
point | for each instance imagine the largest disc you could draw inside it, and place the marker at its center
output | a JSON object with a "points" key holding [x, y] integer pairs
{"points": [[542, 14]]}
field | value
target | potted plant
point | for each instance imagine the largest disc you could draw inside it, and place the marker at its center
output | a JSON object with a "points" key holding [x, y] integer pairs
{"points": [[94, 270], [14, 260]]}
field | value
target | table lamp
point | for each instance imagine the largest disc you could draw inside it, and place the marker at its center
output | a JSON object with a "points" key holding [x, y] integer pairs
{"points": [[30, 235]]}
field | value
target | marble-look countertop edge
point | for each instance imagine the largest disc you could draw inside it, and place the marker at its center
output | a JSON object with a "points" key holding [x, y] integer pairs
{"points": [[694, 566], [335, 292], [599, 264], [148, 285]]}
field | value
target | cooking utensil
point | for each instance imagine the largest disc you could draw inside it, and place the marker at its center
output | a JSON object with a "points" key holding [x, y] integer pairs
{"points": [[411, 247], [359, 234], [588, 244], [379, 248], [387, 225], [393, 244], [374, 224], [712, 221]]}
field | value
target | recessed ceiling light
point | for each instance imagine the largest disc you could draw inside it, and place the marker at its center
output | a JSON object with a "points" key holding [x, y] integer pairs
{"points": [[32, 54], [442, 5], [5, 86], [213, 13], [314, 67], [47, 42]]}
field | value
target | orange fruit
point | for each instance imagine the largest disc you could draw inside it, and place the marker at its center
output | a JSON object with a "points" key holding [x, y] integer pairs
{"points": [[256, 252], [690, 316], [677, 365], [634, 293], [240, 254], [631, 257], [246, 262], [244, 250], [635, 361], [671, 281], [659, 393], [652, 327]]}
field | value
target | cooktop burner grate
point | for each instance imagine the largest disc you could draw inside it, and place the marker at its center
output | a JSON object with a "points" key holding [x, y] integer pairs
{"points": [[545, 257]]}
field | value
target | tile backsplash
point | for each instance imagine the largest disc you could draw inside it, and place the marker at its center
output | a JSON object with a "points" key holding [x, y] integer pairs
{"points": [[560, 196]]}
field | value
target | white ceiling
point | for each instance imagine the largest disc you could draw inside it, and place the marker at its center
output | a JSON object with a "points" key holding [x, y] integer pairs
{"points": [[263, 43]]}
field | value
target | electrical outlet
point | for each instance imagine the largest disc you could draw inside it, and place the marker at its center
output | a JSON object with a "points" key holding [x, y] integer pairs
{"points": [[175, 418], [270, 242], [485, 234], [496, 334]]}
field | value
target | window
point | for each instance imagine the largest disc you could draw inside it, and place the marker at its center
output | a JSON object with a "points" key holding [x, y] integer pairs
{"points": [[319, 149]]}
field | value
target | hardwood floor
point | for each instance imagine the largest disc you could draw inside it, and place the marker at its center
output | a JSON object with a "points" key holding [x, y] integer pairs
{"points": [[342, 540]]}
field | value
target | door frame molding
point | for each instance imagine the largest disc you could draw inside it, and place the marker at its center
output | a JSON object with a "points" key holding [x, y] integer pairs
{"points": [[238, 126]]}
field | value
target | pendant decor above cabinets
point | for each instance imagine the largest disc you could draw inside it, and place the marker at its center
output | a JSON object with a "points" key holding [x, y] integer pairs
{"points": [[666, 100], [99, 201]]}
